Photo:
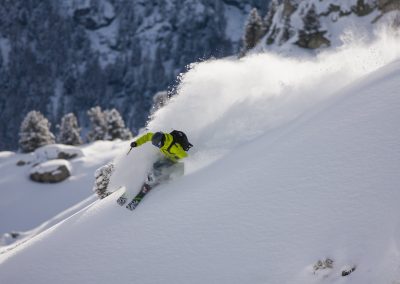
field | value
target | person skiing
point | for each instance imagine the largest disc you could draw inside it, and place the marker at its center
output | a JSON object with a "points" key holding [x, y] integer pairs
{"points": [[171, 148], [174, 147]]}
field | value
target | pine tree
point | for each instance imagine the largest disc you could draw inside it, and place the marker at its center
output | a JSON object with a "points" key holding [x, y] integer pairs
{"points": [[69, 130], [312, 35], [116, 126], [311, 21], [102, 179], [98, 124], [254, 30], [35, 132]]}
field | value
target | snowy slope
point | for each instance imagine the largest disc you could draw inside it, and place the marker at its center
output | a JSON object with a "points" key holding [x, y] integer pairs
{"points": [[26, 204], [290, 167]]}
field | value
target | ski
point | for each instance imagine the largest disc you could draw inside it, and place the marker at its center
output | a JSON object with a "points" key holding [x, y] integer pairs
{"points": [[138, 198]]}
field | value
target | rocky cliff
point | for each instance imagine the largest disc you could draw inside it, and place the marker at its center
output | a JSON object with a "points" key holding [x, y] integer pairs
{"points": [[316, 24]]}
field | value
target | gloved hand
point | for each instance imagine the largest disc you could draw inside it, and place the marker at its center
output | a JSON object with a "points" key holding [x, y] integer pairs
{"points": [[133, 144]]}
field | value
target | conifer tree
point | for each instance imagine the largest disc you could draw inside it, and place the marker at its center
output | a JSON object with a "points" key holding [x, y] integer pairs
{"points": [[69, 130], [312, 34], [98, 124], [311, 21], [116, 126], [35, 132], [102, 179], [254, 30]]}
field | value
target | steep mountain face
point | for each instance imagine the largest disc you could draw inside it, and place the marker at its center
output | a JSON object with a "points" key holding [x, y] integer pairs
{"points": [[320, 23], [67, 56]]}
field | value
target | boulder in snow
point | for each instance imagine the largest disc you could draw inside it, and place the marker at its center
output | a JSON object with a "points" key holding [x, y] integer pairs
{"points": [[348, 270], [51, 171], [6, 154], [21, 163]]}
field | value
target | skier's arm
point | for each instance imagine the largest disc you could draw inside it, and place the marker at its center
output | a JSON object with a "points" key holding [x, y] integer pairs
{"points": [[143, 139]]}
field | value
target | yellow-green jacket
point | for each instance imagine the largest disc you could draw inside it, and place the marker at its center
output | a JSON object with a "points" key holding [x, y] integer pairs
{"points": [[174, 153]]}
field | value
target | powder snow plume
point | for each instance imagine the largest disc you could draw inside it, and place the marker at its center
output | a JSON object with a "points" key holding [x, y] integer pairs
{"points": [[223, 103]]}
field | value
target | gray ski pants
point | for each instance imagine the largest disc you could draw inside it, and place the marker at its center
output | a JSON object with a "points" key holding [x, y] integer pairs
{"points": [[164, 170]]}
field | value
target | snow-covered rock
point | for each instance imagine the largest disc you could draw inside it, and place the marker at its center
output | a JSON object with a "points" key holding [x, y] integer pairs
{"points": [[51, 171], [57, 151], [6, 154]]}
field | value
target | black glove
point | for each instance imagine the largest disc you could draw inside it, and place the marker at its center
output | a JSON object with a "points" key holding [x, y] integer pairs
{"points": [[133, 144]]}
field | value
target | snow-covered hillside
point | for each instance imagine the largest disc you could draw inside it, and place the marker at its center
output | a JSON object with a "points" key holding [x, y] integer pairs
{"points": [[26, 204], [295, 161], [295, 25]]}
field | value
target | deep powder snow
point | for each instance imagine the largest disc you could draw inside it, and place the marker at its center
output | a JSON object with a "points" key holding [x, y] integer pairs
{"points": [[295, 161]]}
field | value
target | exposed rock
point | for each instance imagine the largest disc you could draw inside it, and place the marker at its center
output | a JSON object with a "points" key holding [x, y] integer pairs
{"points": [[14, 235], [21, 163], [312, 41], [66, 156], [388, 5], [348, 271], [288, 8], [362, 8]]}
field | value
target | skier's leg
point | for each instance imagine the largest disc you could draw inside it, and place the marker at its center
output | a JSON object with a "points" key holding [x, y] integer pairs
{"points": [[177, 170], [158, 173], [169, 171], [161, 172]]}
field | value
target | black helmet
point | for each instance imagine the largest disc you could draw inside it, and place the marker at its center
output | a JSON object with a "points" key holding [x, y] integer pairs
{"points": [[158, 139]]}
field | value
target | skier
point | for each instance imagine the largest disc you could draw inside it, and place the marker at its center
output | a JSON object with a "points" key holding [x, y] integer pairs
{"points": [[173, 146]]}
